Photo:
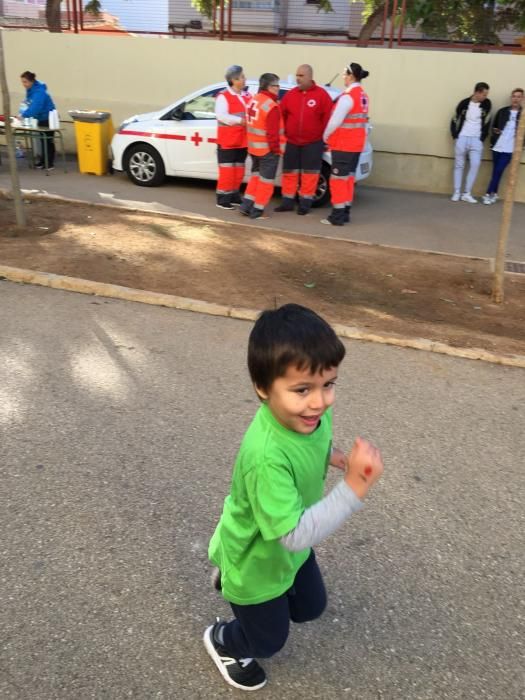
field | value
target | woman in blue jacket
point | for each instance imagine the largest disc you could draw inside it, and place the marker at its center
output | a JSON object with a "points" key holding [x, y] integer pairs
{"points": [[37, 105]]}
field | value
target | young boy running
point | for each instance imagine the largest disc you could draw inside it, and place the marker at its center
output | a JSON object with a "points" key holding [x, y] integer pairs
{"points": [[275, 512]]}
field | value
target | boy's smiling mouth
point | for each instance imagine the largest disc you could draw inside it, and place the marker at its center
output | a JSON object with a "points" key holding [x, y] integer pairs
{"points": [[311, 421]]}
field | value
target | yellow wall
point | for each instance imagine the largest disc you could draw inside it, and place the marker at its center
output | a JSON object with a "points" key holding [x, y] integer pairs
{"points": [[412, 92]]}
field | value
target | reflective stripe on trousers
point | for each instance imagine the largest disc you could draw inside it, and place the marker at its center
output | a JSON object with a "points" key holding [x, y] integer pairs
{"points": [[261, 185], [342, 178], [231, 172], [301, 168]]}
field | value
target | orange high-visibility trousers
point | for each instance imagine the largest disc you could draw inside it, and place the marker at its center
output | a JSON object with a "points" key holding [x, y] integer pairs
{"points": [[301, 168], [342, 179], [260, 188], [231, 173]]}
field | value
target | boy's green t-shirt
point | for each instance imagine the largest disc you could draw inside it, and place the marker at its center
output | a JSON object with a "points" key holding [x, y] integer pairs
{"points": [[278, 473]]}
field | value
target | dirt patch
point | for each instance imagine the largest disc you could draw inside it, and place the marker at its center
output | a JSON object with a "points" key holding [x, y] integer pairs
{"points": [[401, 292]]}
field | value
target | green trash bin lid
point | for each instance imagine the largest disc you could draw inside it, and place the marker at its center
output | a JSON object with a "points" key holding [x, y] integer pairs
{"points": [[89, 115]]}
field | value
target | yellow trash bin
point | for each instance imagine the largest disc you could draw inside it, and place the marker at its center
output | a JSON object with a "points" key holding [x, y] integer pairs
{"points": [[93, 131]]}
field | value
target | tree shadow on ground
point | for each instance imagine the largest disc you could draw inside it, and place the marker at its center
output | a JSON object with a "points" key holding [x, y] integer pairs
{"points": [[383, 290]]}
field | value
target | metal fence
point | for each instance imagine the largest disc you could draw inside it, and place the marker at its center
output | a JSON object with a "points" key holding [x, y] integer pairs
{"points": [[246, 20]]}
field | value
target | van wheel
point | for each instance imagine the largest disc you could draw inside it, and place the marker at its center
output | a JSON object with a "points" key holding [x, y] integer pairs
{"points": [[144, 166], [322, 194]]}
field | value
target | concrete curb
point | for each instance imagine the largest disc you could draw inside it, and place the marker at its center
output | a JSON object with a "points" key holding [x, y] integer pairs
{"points": [[114, 291], [221, 223]]}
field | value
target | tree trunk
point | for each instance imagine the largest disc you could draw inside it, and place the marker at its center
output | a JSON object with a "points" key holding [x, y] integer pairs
{"points": [[53, 15], [371, 24], [10, 141], [498, 291]]}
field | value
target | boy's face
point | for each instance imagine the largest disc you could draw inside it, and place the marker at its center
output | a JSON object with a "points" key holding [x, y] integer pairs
{"points": [[481, 95], [299, 399]]}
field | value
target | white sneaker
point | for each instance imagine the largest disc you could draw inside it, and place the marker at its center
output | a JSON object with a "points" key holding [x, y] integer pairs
{"points": [[467, 197], [494, 198], [456, 197], [487, 199]]}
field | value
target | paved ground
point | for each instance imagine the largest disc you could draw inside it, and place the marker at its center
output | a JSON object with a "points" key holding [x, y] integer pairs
{"points": [[407, 219], [120, 423]]}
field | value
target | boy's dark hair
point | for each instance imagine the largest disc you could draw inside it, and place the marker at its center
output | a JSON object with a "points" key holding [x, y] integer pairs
{"points": [[28, 75], [478, 87], [291, 335]]}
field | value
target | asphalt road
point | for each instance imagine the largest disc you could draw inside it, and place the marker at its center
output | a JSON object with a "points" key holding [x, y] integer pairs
{"points": [[119, 426], [394, 217]]}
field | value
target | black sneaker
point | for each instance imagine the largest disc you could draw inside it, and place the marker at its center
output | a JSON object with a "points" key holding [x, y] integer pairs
{"points": [[245, 674], [224, 205], [236, 200]]}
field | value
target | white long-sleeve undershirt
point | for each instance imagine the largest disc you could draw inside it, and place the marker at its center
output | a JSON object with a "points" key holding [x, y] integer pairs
{"points": [[323, 518], [344, 104], [222, 112]]}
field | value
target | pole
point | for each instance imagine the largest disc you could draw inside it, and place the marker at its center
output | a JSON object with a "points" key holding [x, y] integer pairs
{"points": [[75, 17], [214, 16], [283, 18], [10, 141], [68, 10], [385, 17], [230, 12], [392, 24], [221, 22], [506, 216], [401, 22]]}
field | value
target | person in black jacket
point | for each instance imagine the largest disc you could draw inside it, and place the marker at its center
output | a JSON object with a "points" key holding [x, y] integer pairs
{"points": [[502, 139], [469, 127]]}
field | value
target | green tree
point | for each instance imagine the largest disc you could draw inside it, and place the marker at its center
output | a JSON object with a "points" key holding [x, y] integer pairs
{"points": [[93, 7], [53, 17], [456, 20], [205, 7]]}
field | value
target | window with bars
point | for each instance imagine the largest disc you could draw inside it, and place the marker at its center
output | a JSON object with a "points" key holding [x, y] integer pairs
{"points": [[255, 4]]}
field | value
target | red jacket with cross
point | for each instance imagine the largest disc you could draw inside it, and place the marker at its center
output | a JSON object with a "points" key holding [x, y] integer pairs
{"points": [[306, 114]]}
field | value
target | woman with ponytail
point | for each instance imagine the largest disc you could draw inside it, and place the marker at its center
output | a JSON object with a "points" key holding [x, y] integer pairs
{"points": [[345, 135]]}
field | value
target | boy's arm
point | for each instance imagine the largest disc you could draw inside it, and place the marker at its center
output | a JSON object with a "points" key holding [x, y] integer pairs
{"points": [[364, 468], [322, 519], [455, 120], [486, 121]]}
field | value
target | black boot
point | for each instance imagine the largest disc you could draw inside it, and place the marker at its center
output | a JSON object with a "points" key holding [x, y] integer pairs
{"points": [[336, 217], [246, 206], [347, 214], [224, 201], [304, 206], [288, 204]]}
